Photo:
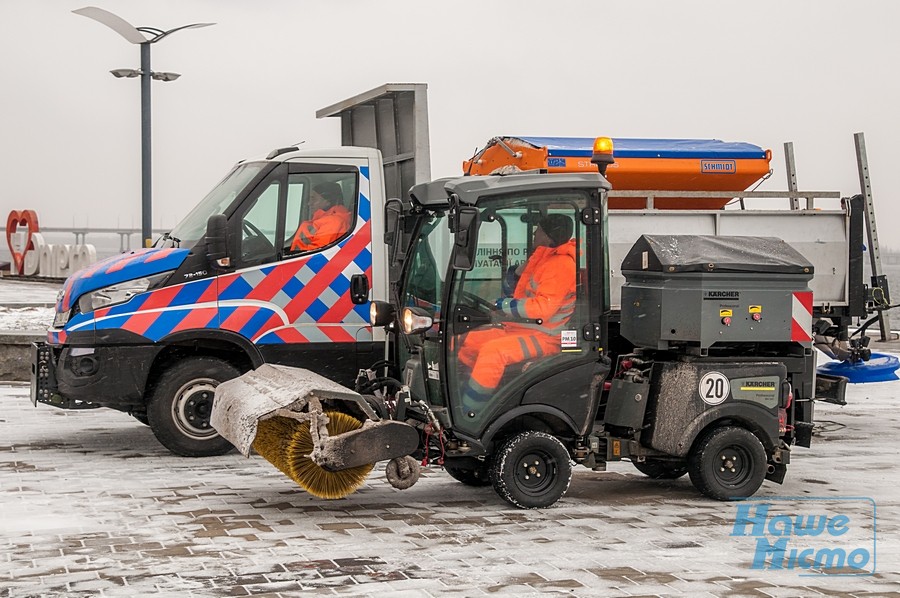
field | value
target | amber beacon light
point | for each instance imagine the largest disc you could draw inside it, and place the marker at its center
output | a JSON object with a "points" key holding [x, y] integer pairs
{"points": [[602, 155]]}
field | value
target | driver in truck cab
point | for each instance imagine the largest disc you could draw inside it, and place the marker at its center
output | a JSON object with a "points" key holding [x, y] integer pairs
{"points": [[330, 219], [531, 319]]}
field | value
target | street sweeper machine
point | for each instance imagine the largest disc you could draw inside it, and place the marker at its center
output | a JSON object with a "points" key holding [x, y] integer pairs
{"points": [[506, 362]]}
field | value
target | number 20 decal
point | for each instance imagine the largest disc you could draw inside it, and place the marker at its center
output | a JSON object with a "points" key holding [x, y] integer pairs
{"points": [[714, 388]]}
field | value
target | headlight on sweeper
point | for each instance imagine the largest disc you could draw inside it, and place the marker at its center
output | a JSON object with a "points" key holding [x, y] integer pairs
{"points": [[381, 313], [415, 320], [120, 292]]}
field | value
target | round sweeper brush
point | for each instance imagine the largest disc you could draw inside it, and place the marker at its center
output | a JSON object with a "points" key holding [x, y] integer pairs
{"points": [[315, 479], [273, 436]]}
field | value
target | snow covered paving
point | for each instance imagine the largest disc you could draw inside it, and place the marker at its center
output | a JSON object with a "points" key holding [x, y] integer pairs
{"points": [[93, 505]]}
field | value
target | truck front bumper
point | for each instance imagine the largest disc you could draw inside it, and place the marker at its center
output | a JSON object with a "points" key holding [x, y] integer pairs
{"points": [[87, 378]]}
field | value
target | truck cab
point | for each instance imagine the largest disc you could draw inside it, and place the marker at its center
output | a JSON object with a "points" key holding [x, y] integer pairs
{"points": [[249, 276], [544, 351]]}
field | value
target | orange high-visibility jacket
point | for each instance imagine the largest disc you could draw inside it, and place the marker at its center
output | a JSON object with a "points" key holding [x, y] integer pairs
{"points": [[325, 227], [546, 289]]}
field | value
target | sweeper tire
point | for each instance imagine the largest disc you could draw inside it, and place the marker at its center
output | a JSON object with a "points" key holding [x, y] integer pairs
{"points": [[661, 469], [532, 470], [728, 463], [479, 475]]}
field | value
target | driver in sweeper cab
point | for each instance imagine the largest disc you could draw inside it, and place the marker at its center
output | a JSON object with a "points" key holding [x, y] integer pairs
{"points": [[545, 291], [330, 219]]}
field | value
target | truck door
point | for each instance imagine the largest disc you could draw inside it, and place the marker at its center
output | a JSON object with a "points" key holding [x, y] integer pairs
{"points": [[303, 249], [516, 340]]}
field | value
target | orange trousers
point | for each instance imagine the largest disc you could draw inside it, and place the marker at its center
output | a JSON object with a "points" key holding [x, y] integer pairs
{"points": [[489, 351]]}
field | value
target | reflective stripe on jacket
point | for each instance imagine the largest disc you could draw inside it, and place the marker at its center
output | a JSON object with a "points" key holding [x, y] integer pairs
{"points": [[546, 289]]}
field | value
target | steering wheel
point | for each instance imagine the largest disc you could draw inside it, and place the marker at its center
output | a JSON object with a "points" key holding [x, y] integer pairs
{"points": [[250, 230], [476, 301], [254, 242]]}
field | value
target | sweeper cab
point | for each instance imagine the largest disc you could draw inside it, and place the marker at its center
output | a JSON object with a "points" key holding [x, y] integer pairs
{"points": [[711, 373]]}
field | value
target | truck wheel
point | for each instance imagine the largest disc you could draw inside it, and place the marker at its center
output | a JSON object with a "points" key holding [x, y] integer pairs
{"points": [[532, 470], [470, 476], [728, 463], [181, 403], [661, 469]]}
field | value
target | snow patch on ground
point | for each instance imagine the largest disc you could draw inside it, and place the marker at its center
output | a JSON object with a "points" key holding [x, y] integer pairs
{"points": [[22, 319]]}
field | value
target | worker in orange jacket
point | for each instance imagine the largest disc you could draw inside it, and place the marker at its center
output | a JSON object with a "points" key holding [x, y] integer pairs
{"points": [[545, 292], [330, 219]]}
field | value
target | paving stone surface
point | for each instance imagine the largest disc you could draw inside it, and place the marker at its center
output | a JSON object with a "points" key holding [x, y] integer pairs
{"points": [[92, 505]]}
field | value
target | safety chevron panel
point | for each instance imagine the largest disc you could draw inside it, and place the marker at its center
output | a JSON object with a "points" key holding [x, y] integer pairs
{"points": [[801, 317]]}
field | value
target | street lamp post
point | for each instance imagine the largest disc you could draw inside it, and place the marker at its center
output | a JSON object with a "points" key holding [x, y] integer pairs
{"points": [[143, 36]]}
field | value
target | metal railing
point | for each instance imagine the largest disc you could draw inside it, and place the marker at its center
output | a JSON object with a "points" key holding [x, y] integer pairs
{"points": [[81, 233]]}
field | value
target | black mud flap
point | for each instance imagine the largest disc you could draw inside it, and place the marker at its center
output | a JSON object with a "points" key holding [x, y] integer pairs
{"points": [[831, 389], [777, 475], [375, 441]]}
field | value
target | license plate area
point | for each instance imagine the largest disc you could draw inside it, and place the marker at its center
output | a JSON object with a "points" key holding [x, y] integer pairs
{"points": [[43, 375]]}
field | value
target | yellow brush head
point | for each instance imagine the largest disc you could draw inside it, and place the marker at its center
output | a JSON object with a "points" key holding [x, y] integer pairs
{"points": [[286, 443], [315, 479], [273, 436]]}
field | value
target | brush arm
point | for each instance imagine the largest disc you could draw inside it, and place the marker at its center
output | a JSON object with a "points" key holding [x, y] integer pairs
{"points": [[375, 441]]}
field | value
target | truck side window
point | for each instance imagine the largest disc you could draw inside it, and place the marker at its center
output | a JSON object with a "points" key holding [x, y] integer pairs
{"points": [[320, 210], [258, 228]]}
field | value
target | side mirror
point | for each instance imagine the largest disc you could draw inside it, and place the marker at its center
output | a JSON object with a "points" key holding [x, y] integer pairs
{"points": [[466, 239], [393, 208], [217, 241]]}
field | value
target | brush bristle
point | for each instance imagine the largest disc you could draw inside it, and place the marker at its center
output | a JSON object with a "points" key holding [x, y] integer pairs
{"points": [[273, 436], [286, 443], [315, 479]]}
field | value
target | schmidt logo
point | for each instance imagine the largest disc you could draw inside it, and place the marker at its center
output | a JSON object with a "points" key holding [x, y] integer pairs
{"points": [[718, 167]]}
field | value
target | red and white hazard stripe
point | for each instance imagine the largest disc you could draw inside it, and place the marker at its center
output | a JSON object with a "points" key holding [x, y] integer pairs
{"points": [[801, 317]]}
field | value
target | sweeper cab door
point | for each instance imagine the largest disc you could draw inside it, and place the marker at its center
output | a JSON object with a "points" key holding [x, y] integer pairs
{"points": [[525, 305]]}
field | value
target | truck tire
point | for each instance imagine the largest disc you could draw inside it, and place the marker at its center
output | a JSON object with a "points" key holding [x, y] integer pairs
{"points": [[661, 469], [532, 470], [181, 403], [728, 463], [470, 476]]}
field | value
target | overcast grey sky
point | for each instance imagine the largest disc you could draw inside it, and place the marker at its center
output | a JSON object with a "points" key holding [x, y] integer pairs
{"points": [[809, 71]]}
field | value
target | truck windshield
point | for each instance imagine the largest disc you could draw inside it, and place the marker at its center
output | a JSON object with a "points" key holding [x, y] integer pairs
{"points": [[192, 228], [428, 266]]}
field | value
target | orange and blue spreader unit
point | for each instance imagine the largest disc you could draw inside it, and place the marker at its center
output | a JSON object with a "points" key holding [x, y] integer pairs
{"points": [[638, 164]]}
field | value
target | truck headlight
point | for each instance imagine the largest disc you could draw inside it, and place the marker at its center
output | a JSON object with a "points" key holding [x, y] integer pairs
{"points": [[120, 292]]}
